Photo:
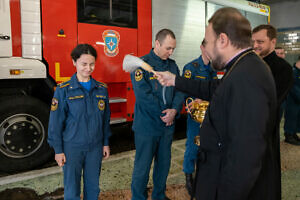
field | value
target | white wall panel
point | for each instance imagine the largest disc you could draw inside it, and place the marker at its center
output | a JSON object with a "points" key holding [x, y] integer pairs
{"points": [[187, 20]]}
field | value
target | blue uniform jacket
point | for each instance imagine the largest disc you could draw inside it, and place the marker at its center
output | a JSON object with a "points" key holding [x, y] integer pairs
{"points": [[197, 70], [295, 90], [149, 99], [292, 110], [79, 118]]}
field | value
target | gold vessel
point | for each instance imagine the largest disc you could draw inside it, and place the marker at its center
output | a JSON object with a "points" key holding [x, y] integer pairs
{"points": [[197, 112]]}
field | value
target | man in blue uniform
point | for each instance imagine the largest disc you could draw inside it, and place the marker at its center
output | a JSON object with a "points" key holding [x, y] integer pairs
{"points": [[292, 112], [79, 126], [196, 69], [154, 115]]}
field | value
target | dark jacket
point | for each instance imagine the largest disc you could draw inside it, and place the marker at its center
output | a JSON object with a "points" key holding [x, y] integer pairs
{"points": [[149, 97], [283, 76], [282, 73], [237, 161]]}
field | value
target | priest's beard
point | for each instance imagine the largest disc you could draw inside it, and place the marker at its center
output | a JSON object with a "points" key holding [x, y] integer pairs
{"points": [[217, 63]]}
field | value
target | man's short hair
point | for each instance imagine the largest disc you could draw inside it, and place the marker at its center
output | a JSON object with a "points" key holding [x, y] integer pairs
{"points": [[279, 47], [162, 34], [271, 31], [231, 22]]}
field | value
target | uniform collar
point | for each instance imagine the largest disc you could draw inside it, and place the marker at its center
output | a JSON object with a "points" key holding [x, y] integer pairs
{"points": [[74, 83], [158, 59], [200, 61]]}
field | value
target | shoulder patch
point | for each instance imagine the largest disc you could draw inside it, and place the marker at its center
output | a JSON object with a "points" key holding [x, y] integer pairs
{"points": [[101, 104], [138, 75], [187, 73], [54, 104], [100, 84]]}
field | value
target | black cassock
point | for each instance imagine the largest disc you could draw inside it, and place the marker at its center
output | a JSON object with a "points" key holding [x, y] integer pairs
{"points": [[238, 158]]}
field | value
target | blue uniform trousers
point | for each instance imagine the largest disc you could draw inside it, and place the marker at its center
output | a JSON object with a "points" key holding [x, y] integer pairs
{"points": [[80, 160], [191, 150], [292, 119], [147, 148]]}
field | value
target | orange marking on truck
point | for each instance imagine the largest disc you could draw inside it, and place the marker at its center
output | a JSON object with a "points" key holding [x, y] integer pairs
{"points": [[58, 78]]}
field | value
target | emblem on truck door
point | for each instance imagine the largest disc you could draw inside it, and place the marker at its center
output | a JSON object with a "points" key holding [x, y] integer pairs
{"points": [[111, 39]]}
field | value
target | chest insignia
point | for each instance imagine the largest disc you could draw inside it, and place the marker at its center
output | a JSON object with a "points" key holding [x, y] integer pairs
{"points": [[101, 104], [138, 75], [153, 78], [195, 64], [201, 77], [187, 73], [76, 97], [54, 104]]}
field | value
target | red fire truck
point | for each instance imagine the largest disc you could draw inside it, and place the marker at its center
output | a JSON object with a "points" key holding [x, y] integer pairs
{"points": [[37, 36]]}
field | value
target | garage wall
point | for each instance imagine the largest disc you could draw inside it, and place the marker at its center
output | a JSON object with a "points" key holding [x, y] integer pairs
{"points": [[285, 14]]}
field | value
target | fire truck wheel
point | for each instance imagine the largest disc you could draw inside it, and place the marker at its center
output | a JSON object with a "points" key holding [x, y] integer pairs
{"points": [[23, 133]]}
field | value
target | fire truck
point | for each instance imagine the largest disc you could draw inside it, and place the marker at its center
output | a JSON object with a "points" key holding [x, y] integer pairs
{"points": [[36, 39]]}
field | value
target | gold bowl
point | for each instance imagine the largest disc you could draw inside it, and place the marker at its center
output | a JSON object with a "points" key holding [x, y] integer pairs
{"points": [[197, 110]]}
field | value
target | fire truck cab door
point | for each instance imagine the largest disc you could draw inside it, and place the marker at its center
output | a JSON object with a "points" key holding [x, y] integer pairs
{"points": [[5, 29], [111, 29]]}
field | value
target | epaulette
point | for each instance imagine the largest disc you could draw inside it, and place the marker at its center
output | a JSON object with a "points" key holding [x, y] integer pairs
{"points": [[195, 64], [64, 84], [100, 84]]}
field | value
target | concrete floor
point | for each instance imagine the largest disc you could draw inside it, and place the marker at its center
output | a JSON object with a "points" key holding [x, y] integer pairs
{"points": [[116, 173], [117, 170]]}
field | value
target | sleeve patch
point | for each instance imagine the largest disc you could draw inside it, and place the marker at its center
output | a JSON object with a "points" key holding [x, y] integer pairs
{"points": [[187, 73], [138, 75], [101, 104], [54, 104]]}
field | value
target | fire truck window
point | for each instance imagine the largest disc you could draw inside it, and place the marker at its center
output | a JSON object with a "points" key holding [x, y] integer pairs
{"points": [[122, 13]]}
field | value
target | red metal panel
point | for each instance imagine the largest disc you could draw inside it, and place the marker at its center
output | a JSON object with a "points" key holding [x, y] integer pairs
{"points": [[57, 47], [109, 63], [131, 100], [15, 17], [109, 68], [144, 27]]}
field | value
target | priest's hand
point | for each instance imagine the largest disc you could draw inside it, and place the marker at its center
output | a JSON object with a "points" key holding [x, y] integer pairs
{"points": [[166, 78]]}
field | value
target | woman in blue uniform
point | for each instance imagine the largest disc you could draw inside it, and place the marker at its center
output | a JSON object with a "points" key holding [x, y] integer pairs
{"points": [[79, 127]]}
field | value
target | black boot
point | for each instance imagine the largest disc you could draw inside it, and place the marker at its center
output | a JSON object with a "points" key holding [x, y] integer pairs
{"points": [[189, 183], [297, 137], [292, 139]]}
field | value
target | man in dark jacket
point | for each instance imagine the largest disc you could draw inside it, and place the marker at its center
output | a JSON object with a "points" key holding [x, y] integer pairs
{"points": [[264, 42], [236, 160]]}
